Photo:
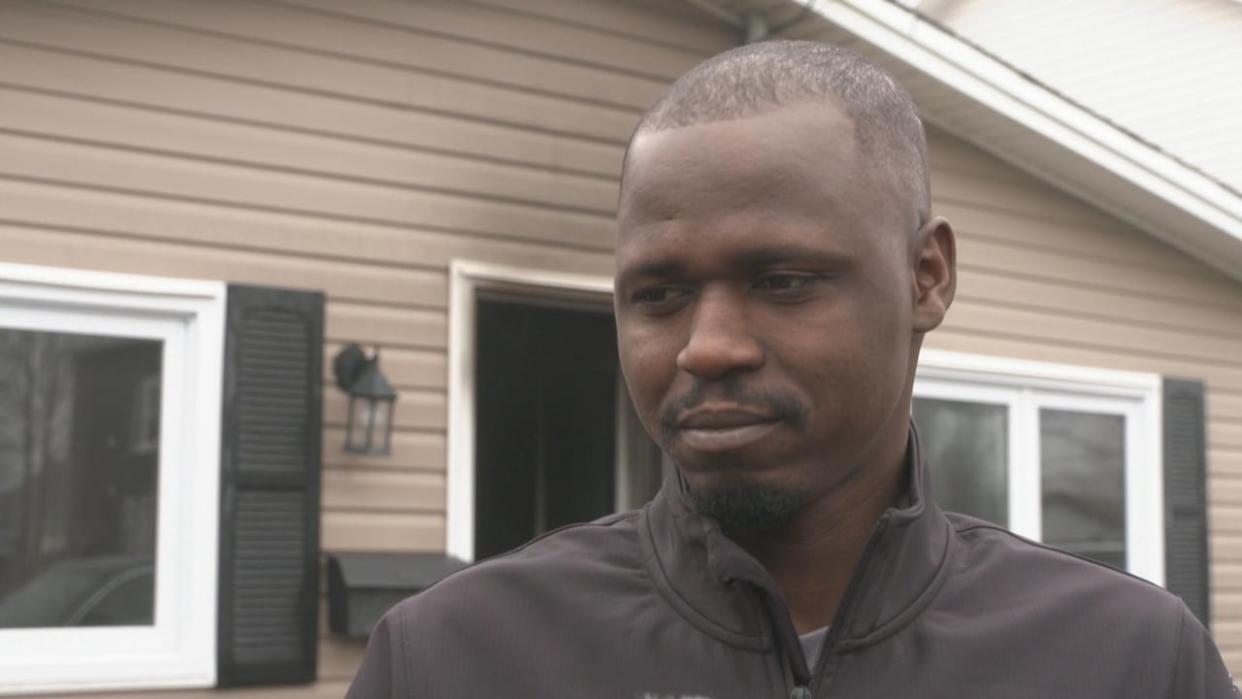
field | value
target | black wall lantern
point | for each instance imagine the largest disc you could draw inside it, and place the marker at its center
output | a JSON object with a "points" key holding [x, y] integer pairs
{"points": [[371, 398]]}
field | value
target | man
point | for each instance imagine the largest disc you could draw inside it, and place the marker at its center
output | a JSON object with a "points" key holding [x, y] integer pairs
{"points": [[777, 268]]}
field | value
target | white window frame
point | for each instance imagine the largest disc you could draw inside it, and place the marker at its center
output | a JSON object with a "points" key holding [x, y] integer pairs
{"points": [[466, 280], [1027, 386], [179, 649]]}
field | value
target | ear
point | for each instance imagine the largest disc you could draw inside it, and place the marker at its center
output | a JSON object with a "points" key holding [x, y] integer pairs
{"points": [[935, 273]]}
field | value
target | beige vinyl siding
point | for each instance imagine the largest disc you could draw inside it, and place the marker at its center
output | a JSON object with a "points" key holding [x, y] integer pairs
{"points": [[355, 148], [1046, 277], [359, 147]]}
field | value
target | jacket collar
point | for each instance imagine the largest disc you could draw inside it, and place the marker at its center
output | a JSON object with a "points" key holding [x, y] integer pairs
{"points": [[698, 568]]}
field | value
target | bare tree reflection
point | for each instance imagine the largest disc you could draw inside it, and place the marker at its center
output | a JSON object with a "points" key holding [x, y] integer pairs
{"points": [[78, 464]]}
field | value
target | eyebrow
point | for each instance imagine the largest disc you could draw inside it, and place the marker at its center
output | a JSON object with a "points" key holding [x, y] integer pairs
{"points": [[749, 261]]}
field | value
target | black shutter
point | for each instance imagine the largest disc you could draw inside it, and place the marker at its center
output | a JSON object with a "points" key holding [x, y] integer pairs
{"points": [[269, 507], [1185, 495]]}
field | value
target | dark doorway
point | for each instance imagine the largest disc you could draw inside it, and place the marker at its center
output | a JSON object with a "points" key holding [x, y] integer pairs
{"points": [[548, 399]]}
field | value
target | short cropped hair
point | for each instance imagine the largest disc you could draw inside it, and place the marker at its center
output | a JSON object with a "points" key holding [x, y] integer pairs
{"points": [[756, 78]]}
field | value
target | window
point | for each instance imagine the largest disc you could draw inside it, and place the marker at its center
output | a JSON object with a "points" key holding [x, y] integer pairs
{"points": [[109, 475], [1064, 455]]}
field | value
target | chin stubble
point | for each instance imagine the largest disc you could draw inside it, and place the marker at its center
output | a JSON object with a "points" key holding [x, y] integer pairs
{"points": [[750, 510]]}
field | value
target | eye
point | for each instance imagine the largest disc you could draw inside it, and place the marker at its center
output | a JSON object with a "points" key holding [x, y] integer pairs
{"points": [[661, 299], [787, 286]]}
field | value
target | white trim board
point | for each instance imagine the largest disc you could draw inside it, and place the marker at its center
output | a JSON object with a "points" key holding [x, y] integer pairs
{"points": [[963, 366], [466, 280], [1025, 387]]}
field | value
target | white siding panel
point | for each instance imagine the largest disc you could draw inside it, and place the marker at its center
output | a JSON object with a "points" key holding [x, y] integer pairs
{"points": [[1160, 69]]}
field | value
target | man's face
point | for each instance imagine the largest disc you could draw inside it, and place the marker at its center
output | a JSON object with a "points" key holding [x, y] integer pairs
{"points": [[764, 300]]}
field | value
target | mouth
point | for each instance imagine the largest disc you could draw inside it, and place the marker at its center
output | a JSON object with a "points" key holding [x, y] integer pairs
{"points": [[724, 429]]}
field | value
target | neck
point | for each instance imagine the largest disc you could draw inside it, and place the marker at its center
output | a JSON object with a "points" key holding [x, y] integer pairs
{"points": [[813, 559]]}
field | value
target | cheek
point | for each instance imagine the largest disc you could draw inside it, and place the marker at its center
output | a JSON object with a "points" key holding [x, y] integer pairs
{"points": [[649, 361], [852, 366], [882, 318]]}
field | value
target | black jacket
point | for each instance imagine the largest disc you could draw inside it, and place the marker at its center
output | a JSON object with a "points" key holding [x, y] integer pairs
{"points": [[659, 604]]}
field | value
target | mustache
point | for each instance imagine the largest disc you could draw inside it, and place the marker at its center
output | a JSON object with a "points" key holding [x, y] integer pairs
{"points": [[781, 406]]}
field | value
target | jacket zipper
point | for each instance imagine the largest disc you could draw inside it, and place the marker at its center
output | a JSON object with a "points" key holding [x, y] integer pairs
{"points": [[847, 603], [786, 643], [787, 637], [796, 690]]}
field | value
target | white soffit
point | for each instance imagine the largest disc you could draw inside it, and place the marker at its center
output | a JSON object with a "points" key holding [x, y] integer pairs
{"points": [[999, 109], [1166, 70]]}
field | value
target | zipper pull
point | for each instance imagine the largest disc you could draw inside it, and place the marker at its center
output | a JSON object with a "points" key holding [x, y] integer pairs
{"points": [[800, 692]]}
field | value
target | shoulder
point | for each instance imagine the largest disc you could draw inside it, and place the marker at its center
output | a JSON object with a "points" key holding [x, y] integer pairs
{"points": [[1085, 614], [507, 609], [550, 569], [1032, 581]]}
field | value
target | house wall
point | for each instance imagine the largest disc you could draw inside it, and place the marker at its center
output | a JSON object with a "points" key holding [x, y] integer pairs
{"points": [[1046, 277], [350, 147], [358, 147]]}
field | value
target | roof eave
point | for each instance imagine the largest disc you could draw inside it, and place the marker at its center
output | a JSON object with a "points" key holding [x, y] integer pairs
{"points": [[1014, 117]]}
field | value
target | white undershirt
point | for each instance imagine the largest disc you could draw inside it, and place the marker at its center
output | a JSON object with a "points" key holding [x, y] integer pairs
{"points": [[811, 644]]}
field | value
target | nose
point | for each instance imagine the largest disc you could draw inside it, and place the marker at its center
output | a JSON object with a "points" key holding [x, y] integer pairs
{"points": [[720, 341]]}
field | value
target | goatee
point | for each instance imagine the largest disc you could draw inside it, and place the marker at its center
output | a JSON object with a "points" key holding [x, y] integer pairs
{"points": [[747, 511]]}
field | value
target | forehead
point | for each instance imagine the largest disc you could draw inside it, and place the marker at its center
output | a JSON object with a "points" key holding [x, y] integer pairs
{"points": [[779, 163], [788, 179]]}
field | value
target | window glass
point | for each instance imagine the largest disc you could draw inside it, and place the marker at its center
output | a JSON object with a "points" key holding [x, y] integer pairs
{"points": [[79, 455], [376, 425], [1082, 466], [966, 445]]}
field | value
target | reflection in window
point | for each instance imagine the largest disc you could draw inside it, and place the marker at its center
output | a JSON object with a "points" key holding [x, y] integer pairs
{"points": [[966, 445], [1083, 469], [79, 452]]}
